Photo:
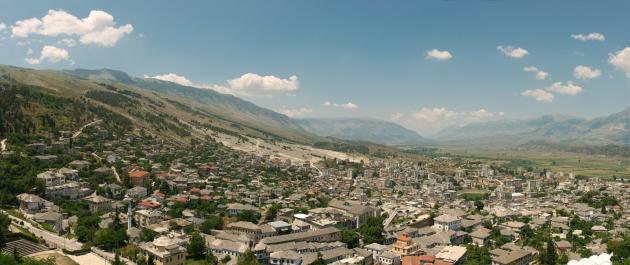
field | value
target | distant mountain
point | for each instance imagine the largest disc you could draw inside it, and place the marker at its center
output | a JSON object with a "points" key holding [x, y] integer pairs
{"points": [[65, 99], [355, 129], [613, 129]]}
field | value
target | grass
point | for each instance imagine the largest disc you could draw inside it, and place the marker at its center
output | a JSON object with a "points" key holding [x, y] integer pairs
{"points": [[557, 161]]}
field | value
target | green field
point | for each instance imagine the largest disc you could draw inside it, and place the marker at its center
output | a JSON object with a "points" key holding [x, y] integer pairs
{"points": [[558, 161]]}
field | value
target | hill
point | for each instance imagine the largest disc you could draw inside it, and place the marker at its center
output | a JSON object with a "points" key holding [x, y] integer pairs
{"points": [[40, 101], [370, 130]]}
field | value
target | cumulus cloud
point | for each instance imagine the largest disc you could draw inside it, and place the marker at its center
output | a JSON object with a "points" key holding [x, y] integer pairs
{"points": [[513, 52], [430, 120], [247, 85], [50, 54], [601, 259], [621, 60], [593, 36], [568, 88], [67, 42], [3, 27], [97, 28], [294, 112], [585, 72], [540, 74], [347, 105], [253, 84], [396, 116], [438, 55], [538, 94], [171, 77]]}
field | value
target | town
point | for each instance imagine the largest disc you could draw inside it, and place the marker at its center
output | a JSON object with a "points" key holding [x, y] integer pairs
{"points": [[103, 195]]}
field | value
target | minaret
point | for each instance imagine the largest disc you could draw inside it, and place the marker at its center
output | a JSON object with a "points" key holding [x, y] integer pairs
{"points": [[129, 214]]}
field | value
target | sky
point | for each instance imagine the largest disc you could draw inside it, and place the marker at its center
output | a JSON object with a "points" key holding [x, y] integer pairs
{"points": [[426, 65]]}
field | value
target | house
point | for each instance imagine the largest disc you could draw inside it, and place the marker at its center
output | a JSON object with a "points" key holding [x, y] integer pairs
{"points": [[405, 245], [446, 222], [138, 178], [513, 257], [30, 203], [79, 164], [480, 237], [99, 204], [451, 254], [360, 212], [389, 258], [165, 251], [52, 219], [236, 208], [137, 192]]}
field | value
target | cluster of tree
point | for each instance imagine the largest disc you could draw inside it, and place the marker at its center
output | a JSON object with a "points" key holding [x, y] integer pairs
{"points": [[372, 230], [248, 216], [476, 255], [11, 260], [597, 200], [350, 237], [620, 249]]}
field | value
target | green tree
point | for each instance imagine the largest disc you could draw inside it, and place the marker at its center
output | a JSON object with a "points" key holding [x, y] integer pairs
{"points": [[549, 256], [372, 230], [479, 205], [350, 237], [196, 247], [150, 261], [320, 260], [4, 228], [211, 259], [212, 222], [248, 258]]}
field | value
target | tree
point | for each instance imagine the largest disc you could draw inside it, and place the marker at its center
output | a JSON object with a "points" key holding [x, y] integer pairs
{"points": [[196, 247], [372, 230], [350, 237], [211, 259], [151, 261], [4, 228], [550, 256], [248, 258], [117, 260], [320, 260], [226, 259], [212, 222], [479, 205], [249, 216]]}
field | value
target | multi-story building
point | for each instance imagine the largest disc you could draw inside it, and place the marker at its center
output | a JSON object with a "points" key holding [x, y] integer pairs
{"points": [[165, 251]]}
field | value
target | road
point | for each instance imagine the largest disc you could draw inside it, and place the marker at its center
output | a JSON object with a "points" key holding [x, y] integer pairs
{"points": [[116, 174], [50, 238], [78, 132], [3, 145]]}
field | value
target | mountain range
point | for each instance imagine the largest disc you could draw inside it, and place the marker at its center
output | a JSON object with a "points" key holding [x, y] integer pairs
{"points": [[36, 101], [613, 129], [358, 129]]}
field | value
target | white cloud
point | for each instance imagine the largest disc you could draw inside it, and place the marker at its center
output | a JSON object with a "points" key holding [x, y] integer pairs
{"points": [[29, 51], [294, 112], [540, 74], [67, 42], [538, 94], [593, 36], [585, 72], [171, 77], [347, 105], [256, 85], [514, 52], [601, 259], [3, 26], [50, 54], [430, 120], [97, 28], [252, 85], [396, 116], [436, 54], [568, 88], [621, 60]]}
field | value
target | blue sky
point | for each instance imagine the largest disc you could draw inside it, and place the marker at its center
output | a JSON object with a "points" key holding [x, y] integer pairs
{"points": [[350, 58]]}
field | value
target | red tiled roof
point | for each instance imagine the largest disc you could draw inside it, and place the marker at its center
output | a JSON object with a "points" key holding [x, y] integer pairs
{"points": [[138, 174]]}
